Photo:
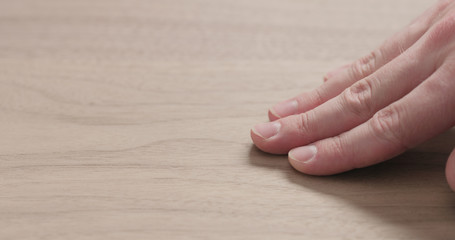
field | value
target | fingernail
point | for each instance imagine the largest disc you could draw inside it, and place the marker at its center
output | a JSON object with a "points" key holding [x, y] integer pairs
{"points": [[267, 130], [303, 154], [284, 109]]}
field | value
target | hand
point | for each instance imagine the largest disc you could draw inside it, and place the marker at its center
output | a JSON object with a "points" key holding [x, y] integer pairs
{"points": [[398, 96]]}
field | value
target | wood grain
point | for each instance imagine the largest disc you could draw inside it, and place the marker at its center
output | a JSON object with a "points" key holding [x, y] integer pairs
{"points": [[130, 120]]}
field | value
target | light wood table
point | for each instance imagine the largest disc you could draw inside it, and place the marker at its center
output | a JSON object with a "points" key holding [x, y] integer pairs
{"points": [[130, 120]]}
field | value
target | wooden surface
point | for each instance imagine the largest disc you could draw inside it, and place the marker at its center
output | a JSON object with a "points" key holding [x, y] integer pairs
{"points": [[130, 120]]}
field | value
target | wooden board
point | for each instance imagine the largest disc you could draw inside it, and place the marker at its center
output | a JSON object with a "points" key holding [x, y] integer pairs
{"points": [[127, 119]]}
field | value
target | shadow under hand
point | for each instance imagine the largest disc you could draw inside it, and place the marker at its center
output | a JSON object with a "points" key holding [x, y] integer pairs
{"points": [[409, 191]]}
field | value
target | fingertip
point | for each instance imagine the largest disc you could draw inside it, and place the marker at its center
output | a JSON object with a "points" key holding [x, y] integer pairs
{"points": [[305, 154], [450, 171], [306, 160], [298, 165], [273, 116], [284, 109], [321, 158], [256, 137], [263, 136], [306, 168]]}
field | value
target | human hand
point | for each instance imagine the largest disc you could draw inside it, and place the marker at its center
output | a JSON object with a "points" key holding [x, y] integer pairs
{"points": [[398, 96]]}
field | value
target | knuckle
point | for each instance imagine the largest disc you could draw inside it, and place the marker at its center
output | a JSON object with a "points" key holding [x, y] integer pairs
{"points": [[441, 5], [366, 65], [338, 149], [318, 96], [432, 15], [443, 86], [304, 124], [386, 126], [357, 98], [441, 32], [417, 28]]}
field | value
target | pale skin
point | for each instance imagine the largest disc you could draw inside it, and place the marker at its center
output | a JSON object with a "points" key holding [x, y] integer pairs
{"points": [[395, 98]]}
